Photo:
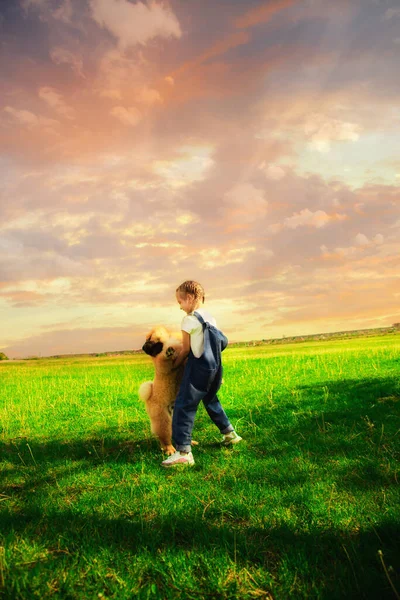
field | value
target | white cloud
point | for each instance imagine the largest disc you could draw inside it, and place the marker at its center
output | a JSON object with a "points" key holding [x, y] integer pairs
{"points": [[322, 131], [129, 116], [135, 23], [191, 166], [55, 101]]}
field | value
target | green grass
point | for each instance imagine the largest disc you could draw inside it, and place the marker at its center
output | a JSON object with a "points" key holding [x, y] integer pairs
{"points": [[308, 506]]}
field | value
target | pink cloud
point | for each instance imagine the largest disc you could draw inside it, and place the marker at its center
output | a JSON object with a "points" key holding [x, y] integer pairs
{"points": [[27, 118], [316, 219], [184, 160], [129, 116], [55, 101], [135, 23], [60, 56]]}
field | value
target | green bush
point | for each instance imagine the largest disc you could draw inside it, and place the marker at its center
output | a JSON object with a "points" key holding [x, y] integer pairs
{"points": [[3, 356]]}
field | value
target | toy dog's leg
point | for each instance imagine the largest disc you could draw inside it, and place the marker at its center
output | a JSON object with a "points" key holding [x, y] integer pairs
{"points": [[161, 425]]}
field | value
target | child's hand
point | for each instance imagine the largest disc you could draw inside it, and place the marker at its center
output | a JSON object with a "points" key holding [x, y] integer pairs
{"points": [[174, 362]]}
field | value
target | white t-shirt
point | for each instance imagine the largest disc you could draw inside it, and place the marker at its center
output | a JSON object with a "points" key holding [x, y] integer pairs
{"points": [[194, 328]]}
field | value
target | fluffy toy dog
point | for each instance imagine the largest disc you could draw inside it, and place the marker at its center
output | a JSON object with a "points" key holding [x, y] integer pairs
{"points": [[159, 395]]}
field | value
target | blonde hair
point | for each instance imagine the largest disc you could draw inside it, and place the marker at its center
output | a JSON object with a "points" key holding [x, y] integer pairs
{"points": [[193, 288]]}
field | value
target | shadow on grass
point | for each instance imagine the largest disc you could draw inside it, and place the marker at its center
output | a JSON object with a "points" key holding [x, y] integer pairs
{"points": [[351, 427], [347, 429], [107, 445], [343, 562]]}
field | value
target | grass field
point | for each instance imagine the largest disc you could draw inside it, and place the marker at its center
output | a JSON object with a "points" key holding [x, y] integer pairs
{"points": [[308, 506]]}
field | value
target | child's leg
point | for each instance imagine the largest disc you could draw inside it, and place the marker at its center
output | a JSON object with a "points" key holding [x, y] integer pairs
{"points": [[217, 413], [185, 409]]}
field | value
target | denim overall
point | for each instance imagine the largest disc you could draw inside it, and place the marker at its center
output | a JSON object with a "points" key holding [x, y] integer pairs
{"points": [[202, 379]]}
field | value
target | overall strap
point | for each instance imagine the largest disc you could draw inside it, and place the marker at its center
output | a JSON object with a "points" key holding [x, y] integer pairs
{"points": [[199, 317]]}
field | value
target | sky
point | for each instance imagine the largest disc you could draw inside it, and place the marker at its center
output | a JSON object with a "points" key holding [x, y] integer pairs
{"points": [[251, 145]]}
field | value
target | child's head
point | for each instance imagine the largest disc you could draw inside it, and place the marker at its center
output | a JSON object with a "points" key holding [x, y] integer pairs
{"points": [[190, 295]]}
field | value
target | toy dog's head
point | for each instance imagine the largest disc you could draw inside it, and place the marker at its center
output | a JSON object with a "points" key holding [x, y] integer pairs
{"points": [[159, 340], [155, 341], [163, 346]]}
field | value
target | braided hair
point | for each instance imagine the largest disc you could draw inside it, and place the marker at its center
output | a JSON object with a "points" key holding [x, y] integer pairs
{"points": [[193, 288]]}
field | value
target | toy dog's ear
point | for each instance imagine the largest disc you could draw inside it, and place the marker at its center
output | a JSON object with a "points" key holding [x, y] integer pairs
{"points": [[152, 349], [157, 348]]}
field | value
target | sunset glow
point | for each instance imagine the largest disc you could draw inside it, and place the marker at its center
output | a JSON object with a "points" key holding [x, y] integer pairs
{"points": [[252, 146]]}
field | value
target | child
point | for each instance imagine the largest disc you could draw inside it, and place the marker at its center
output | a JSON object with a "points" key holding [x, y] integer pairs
{"points": [[198, 383]]}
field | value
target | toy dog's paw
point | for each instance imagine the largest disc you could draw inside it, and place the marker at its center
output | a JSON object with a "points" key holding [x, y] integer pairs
{"points": [[168, 449], [169, 352]]}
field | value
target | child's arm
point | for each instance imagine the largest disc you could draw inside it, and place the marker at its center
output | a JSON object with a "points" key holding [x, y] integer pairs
{"points": [[185, 350]]}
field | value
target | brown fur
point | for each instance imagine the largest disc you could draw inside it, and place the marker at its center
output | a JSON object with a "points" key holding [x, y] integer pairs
{"points": [[159, 395]]}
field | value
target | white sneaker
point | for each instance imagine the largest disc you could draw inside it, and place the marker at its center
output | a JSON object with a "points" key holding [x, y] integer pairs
{"points": [[231, 438], [178, 459]]}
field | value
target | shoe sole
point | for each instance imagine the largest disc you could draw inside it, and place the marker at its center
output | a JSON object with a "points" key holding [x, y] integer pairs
{"points": [[180, 464], [230, 442]]}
